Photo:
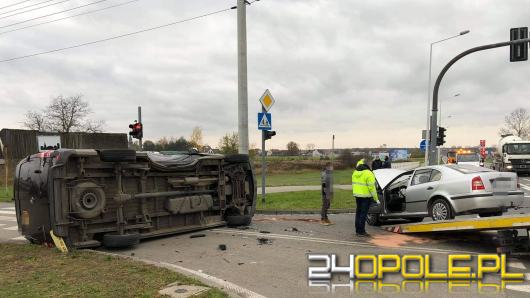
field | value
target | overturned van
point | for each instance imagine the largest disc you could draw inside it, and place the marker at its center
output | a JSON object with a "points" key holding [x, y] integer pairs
{"points": [[117, 197]]}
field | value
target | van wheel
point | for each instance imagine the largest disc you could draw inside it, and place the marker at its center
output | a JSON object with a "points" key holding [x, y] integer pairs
{"points": [[111, 240], [373, 219], [441, 210], [238, 220], [489, 214], [117, 155]]}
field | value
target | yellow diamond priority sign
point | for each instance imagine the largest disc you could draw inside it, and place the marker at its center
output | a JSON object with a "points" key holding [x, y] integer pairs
{"points": [[267, 100]]}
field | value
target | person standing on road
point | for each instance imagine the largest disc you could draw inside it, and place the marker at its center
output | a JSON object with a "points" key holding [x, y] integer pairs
{"points": [[377, 163], [326, 179], [364, 191], [386, 163]]}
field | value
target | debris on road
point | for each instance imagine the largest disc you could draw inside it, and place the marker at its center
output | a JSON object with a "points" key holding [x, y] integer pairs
{"points": [[197, 235], [292, 229], [226, 260], [240, 264], [222, 246], [243, 228], [266, 241], [264, 232]]}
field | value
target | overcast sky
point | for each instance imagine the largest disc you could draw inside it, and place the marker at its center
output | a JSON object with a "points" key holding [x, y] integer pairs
{"points": [[358, 69]]}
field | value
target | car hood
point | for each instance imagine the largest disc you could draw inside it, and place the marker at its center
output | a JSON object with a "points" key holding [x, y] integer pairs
{"points": [[385, 176]]}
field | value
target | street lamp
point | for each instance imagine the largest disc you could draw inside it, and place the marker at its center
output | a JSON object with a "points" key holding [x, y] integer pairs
{"points": [[429, 87]]}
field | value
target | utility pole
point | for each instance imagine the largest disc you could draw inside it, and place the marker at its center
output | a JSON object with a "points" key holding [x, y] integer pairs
{"points": [[140, 121], [263, 163], [242, 84]]}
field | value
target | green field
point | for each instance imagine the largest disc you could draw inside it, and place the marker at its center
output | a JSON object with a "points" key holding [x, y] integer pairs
{"points": [[305, 178], [306, 200], [6, 196], [38, 271]]}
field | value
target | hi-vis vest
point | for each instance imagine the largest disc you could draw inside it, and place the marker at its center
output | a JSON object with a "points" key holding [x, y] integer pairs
{"points": [[363, 184]]}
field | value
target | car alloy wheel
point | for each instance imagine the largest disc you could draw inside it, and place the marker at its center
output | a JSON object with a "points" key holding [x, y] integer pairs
{"points": [[440, 210]]}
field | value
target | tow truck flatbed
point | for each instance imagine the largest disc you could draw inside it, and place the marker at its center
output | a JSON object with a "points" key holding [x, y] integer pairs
{"points": [[506, 222]]}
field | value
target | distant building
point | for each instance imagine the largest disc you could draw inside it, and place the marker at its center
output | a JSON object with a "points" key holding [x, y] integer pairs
{"points": [[316, 153]]}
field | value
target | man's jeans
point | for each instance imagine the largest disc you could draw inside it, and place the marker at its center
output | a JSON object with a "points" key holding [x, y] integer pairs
{"points": [[363, 204]]}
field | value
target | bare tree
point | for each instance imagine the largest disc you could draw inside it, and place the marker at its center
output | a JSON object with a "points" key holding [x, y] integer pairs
{"points": [[292, 148], [196, 137], [310, 147], [36, 121], [516, 123]]}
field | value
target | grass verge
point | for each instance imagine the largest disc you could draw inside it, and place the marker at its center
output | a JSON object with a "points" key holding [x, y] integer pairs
{"points": [[6, 196], [305, 178], [36, 271], [306, 200]]}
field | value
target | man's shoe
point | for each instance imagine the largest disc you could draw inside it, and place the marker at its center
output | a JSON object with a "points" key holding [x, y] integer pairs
{"points": [[363, 235], [329, 222], [324, 222]]}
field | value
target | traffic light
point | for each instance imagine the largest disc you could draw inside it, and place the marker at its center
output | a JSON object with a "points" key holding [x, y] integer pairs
{"points": [[136, 130], [441, 136], [267, 135], [519, 52]]}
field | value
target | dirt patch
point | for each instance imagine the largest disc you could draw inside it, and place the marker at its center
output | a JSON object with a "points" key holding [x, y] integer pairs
{"points": [[398, 240], [274, 219]]}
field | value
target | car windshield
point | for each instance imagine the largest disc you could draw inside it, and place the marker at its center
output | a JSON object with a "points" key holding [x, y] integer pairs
{"points": [[518, 148], [468, 169], [467, 157]]}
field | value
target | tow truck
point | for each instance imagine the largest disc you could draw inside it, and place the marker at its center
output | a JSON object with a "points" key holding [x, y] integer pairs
{"points": [[464, 156]]}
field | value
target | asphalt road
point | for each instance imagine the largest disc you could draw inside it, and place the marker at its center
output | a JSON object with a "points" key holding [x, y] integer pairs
{"points": [[277, 266]]}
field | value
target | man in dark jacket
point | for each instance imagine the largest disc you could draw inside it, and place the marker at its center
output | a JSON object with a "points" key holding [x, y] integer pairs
{"points": [[377, 163], [327, 193], [386, 163]]}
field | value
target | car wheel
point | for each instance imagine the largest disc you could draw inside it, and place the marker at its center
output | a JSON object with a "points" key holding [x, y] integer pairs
{"points": [[111, 240], [441, 210], [117, 155], [373, 219], [415, 219], [238, 220], [237, 158], [489, 214]]}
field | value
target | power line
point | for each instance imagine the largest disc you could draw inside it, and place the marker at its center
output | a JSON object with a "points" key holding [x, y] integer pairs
{"points": [[25, 11], [14, 4], [68, 17], [28, 6], [116, 37], [51, 14]]}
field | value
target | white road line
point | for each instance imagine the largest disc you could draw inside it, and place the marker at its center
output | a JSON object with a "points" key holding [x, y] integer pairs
{"points": [[8, 218], [8, 208], [1, 225], [519, 288], [517, 265], [8, 212], [13, 228], [339, 242], [527, 187], [19, 238]]}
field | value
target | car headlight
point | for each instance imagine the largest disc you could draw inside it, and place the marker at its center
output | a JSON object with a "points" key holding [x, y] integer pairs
{"points": [[509, 167]]}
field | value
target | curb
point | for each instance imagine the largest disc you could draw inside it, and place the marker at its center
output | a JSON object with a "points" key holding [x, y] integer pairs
{"points": [[293, 212], [231, 289]]}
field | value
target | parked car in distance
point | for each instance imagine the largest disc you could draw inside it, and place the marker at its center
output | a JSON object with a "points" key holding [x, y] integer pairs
{"points": [[117, 197], [443, 192]]}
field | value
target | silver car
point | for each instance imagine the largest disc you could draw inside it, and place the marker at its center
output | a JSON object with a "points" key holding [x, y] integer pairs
{"points": [[442, 192]]}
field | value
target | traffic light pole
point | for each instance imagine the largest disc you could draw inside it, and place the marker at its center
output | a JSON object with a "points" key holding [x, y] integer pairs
{"points": [[140, 121], [434, 117], [263, 164]]}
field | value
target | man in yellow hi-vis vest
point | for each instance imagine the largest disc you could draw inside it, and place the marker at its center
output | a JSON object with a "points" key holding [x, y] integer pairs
{"points": [[364, 191]]}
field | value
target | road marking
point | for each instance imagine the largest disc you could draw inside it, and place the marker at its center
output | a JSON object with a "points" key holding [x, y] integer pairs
{"points": [[13, 228], [19, 238], [8, 208], [209, 279], [519, 288], [518, 265], [527, 187], [339, 242], [6, 218], [1, 225], [8, 212]]}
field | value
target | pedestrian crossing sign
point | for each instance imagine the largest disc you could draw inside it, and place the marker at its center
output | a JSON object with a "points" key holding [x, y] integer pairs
{"points": [[264, 121]]}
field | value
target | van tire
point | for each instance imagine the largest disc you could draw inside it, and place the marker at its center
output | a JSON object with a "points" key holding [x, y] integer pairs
{"points": [[117, 155], [238, 220], [111, 240]]}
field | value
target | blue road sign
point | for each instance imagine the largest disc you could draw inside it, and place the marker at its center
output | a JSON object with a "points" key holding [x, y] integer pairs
{"points": [[264, 121], [423, 145]]}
